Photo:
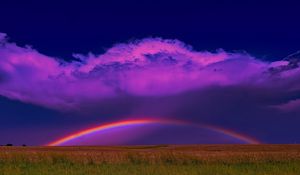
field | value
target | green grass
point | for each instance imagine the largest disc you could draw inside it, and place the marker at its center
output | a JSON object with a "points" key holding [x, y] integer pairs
{"points": [[152, 160]]}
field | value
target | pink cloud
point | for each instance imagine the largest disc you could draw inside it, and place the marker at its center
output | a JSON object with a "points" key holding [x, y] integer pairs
{"points": [[148, 67]]}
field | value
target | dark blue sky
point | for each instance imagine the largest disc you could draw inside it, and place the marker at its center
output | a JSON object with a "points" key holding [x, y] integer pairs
{"points": [[59, 28], [267, 30]]}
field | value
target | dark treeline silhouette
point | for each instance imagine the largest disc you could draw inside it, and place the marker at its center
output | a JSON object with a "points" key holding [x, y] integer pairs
{"points": [[10, 144]]}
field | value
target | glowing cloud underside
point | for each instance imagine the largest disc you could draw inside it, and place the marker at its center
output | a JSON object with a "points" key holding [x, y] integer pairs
{"points": [[147, 67], [113, 125]]}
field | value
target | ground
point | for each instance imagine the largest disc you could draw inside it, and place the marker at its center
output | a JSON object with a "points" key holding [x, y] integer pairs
{"points": [[152, 160]]}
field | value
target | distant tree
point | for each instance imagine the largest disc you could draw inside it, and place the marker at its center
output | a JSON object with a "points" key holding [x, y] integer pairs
{"points": [[9, 144], [23, 145]]}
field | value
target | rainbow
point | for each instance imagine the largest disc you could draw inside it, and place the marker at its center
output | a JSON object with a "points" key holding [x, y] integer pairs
{"points": [[134, 122]]}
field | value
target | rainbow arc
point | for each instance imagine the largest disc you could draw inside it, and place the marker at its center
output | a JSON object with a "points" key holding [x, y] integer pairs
{"points": [[134, 122]]}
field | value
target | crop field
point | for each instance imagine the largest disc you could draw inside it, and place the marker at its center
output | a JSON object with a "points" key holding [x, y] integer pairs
{"points": [[152, 160]]}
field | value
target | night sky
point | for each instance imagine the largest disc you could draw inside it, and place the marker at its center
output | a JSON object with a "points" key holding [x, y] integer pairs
{"points": [[149, 72]]}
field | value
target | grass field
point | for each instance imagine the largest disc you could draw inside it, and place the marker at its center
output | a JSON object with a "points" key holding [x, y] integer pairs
{"points": [[151, 160]]}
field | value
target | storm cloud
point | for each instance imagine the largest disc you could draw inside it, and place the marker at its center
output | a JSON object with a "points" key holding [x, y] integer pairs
{"points": [[159, 78], [147, 67]]}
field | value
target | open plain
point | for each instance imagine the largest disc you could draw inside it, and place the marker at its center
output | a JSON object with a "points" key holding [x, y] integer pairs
{"points": [[152, 159]]}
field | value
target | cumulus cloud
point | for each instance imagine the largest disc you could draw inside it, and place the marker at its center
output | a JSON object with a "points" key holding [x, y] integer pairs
{"points": [[149, 67]]}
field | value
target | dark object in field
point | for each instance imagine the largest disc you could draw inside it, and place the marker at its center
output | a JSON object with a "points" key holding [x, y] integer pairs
{"points": [[24, 145], [9, 144]]}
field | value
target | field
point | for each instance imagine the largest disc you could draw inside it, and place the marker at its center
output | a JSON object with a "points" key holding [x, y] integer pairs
{"points": [[152, 160]]}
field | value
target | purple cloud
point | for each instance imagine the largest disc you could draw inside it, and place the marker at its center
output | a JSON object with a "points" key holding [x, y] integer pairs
{"points": [[290, 106], [148, 67]]}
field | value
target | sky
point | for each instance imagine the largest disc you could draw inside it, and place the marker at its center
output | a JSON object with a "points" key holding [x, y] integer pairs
{"points": [[149, 72]]}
